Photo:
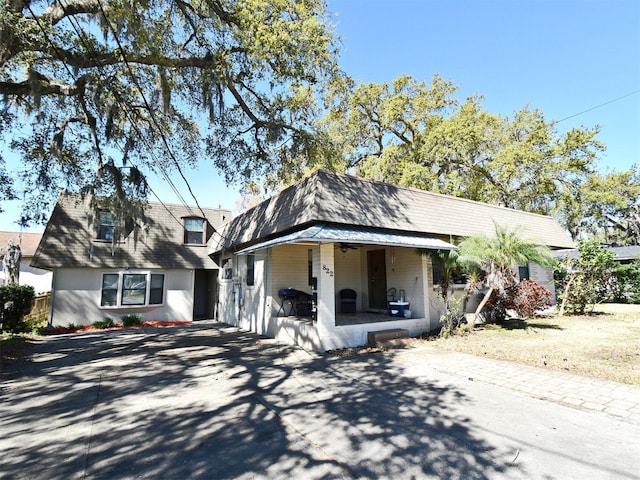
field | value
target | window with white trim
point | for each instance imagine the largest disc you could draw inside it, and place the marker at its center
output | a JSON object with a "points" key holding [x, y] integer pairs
{"points": [[227, 269], [126, 289], [194, 231], [251, 270], [106, 227]]}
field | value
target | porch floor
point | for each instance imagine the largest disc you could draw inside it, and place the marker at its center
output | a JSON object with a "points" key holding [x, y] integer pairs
{"points": [[361, 318]]}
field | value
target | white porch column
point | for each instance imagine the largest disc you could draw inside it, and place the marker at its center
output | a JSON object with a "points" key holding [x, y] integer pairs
{"points": [[427, 286], [326, 308]]}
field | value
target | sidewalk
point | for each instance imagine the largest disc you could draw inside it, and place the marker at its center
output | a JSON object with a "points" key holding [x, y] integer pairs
{"points": [[618, 400]]}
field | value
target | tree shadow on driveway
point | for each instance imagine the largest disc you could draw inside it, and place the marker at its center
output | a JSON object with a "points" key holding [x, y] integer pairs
{"points": [[210, 401]]}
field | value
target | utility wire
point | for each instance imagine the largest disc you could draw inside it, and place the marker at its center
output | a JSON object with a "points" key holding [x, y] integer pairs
{"points": [[597, 106], [122, 104], [148, 106], [125, 108]]}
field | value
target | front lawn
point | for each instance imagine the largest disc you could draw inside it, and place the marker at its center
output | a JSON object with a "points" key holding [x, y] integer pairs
{"points": [[604, 345]]}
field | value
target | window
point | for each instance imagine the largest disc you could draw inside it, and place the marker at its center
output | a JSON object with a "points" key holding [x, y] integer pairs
{"points": [[251, 277], [194, 231], [132, 289], [106, 226], [109, 290], [157, 289], [227, 269], [523, 272]]}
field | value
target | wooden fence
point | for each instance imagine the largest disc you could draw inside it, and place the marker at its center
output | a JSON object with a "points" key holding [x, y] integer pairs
{"points": [[40, 311]]}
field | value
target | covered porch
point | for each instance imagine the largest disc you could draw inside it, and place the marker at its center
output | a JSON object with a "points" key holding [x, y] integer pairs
{"points": [[323, 262]]}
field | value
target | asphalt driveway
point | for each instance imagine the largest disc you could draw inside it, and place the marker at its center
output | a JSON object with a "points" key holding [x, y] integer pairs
{"points": [[210, 401]]}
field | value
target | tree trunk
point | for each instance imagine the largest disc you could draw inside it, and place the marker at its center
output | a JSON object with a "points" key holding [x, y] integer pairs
{"points": [[567, 289], [482, 304]]}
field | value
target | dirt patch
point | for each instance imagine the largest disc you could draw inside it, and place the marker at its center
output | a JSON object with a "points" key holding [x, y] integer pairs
{"points": [[14, 347], [351, 351], [604, 345]]}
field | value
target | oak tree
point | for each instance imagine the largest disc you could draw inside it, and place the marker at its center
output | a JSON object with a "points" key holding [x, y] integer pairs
{"points": [[98, 93]]}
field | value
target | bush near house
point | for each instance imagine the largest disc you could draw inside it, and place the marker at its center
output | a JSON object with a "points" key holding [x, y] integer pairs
{"points": [[625, 283], [586, 281], [528, 298], [105, 323], [15, 302], [131, 320]]}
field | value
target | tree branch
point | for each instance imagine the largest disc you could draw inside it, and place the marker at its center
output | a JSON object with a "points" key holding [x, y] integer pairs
{"points": [[58, 11]]}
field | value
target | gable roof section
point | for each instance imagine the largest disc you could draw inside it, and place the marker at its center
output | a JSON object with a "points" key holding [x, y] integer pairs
{"points": [[69, 240], [28, 242], [339, 199]]}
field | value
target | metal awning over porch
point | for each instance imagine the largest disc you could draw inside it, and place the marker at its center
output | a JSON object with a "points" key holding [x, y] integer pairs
{"points": [[345, 234]]}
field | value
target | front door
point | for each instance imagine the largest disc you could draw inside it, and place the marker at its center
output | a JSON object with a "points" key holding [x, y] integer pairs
{"points": [[204, 294], [377, 271]]}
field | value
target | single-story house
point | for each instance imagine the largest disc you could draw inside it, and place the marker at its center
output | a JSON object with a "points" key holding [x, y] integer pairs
{"points": [[163, 274], [38, 278], [333, 257], [624, 255]]}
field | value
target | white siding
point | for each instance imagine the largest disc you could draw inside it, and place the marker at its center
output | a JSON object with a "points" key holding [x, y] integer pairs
{"points": [[289, 269], [348, 268], [77, 293], [38, 278]]}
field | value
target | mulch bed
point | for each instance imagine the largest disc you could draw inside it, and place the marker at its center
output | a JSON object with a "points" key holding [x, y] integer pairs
{"points": [[91, 328]]}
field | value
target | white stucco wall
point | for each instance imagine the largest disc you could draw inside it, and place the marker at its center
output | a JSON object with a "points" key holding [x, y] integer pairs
{"points": [[256, 308], [39, 279], [77, 292]]}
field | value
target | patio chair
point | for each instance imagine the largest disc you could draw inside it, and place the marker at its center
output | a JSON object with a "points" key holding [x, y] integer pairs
{"points": [[391, 297], [348, 300]]}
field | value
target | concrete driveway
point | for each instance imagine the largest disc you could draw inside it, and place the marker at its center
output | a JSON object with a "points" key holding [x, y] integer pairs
{"points": [[210, 401]]}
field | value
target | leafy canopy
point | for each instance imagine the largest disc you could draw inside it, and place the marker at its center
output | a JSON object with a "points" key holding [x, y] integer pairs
{"points": [[97, 93], [418, 134]]}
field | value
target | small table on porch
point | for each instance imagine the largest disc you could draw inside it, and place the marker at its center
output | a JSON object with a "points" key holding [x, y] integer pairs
{"points": [[397, 309]]}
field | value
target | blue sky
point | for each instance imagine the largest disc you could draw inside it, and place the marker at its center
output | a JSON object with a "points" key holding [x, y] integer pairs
{"points": [[561, 56]]}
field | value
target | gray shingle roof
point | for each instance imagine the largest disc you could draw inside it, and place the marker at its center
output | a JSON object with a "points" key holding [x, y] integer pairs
{"points": [[69, 241], [327, 197]]}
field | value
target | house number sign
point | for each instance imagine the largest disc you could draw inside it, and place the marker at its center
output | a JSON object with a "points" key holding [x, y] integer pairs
{"points": [[327, 270]]}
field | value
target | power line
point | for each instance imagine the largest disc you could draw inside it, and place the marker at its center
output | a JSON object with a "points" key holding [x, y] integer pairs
{"points": [[128, 113], [127, 109], [148, 106], [122, 104], [597, 106]]}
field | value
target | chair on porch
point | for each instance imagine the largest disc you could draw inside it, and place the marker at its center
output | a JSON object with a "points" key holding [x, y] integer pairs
{"points": [[348, 300], [391, 297]]}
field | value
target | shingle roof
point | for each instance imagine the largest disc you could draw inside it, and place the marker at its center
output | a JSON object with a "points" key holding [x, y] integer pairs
{"points": [[327, 197], [28, 242], [69, 240]]}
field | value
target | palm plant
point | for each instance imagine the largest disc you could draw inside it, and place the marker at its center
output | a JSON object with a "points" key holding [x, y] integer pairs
{"points": [[498, 254]]}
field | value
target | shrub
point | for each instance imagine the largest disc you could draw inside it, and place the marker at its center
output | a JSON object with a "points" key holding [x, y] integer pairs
{"points": [[106, 323], [626, 283], [16, 301], [131, 320], [527, 298], [586, 281]]}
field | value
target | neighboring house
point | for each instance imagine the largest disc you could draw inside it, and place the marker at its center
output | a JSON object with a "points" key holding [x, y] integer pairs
{"points": [[164, 274], [624, 255], [38, 278], [332, 235]]}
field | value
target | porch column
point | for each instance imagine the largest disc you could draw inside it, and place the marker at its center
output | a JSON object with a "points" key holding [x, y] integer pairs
{"points": [[427, 288], [326, 308]]}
